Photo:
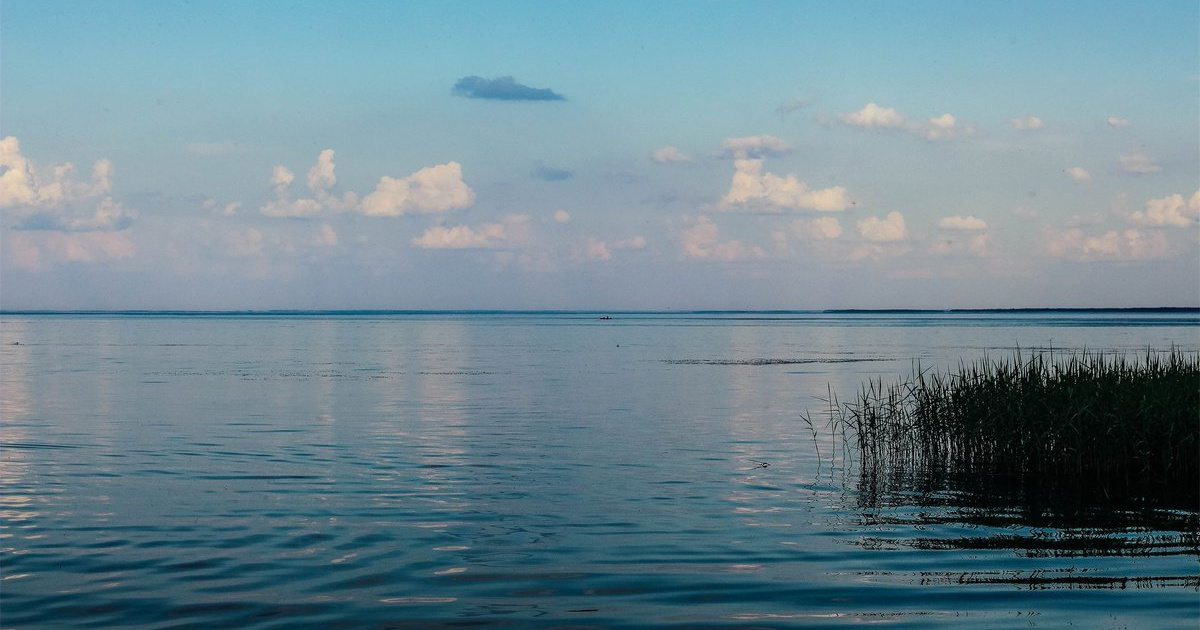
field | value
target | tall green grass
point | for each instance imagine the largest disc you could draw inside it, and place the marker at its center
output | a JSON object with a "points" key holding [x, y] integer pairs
{"points": [[1080, 426]]}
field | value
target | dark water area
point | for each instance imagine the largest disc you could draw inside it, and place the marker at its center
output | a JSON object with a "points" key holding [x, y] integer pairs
{"points": [[534, 470]]}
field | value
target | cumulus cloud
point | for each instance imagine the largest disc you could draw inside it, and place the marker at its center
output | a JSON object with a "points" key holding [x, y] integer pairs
{"points": [[508, 233], [967, 224], [1028, 123], [752, 189], [1113, 121], [886, 230], [872, 116], [1079, 174], [245, 243], [755, 147], [562, 216], [429, 190], [598, 250], [702, 241], [1126, 245], [502, 89], [23, 185], [1171, 211], [1138, 163], [548, 174], [669, 155]]}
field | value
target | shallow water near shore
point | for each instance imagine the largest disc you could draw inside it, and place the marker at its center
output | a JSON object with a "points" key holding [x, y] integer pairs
{"points": [[411, 470]]}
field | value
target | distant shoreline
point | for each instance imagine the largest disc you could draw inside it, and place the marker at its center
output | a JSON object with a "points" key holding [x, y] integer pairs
{"points": [[849, 311]]}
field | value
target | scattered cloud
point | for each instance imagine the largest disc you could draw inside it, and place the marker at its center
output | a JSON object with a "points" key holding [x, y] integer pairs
{"points": [[755, 147], [1127, 245], [245, 243], [1028, 123], [960, 223], [1113, 121], [872, 116], [876, 118], [228, 210], [1079, 174], [702, 241], [562, 216], [548, 174], [1171, 211], [1138, 163], [502, 89], [752, 189], [495, 235], [889, 229], [669, 155]]}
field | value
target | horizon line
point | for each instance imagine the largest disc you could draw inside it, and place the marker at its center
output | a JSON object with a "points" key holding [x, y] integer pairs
{"points": [[593, 311]]}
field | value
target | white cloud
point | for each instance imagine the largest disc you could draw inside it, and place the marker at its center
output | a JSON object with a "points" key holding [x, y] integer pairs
{"points": [[510, 232], [321, 175], [1028, 123], [1171, 211], [752, 189], [429, 190], [1127, 245], [668, 155], [23, 185], [886, 230], [974, 243], [702, 241], [872, 116], [562, 216], [944, 127], [960, 223], [1079, 174], [754, 147], [1113, 121], [1138, 163]]}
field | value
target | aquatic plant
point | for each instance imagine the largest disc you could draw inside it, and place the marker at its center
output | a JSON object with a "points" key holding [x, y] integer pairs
{"points": [[1081, 427]]}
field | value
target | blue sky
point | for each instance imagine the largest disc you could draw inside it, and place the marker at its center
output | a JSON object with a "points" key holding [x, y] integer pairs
{"points": [[610, 155]]}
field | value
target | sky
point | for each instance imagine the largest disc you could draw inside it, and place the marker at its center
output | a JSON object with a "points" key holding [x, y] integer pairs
{"points": [[606, 155]]}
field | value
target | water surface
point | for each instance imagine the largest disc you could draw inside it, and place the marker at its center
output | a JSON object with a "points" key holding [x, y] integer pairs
{"points": [[412, 470]]}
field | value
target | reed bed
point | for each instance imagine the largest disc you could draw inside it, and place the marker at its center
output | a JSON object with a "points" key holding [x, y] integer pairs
{"points": [[1080, 426]]}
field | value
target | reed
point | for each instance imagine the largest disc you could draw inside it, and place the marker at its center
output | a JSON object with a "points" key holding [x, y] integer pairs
{"points": [[1081, 426]]}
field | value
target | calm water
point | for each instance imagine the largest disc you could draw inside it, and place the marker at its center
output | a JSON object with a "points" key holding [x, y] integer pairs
{"points": [[427, 471]]}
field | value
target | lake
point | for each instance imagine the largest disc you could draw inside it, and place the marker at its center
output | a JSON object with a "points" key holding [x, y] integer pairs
{"points": [[529, 470]]}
